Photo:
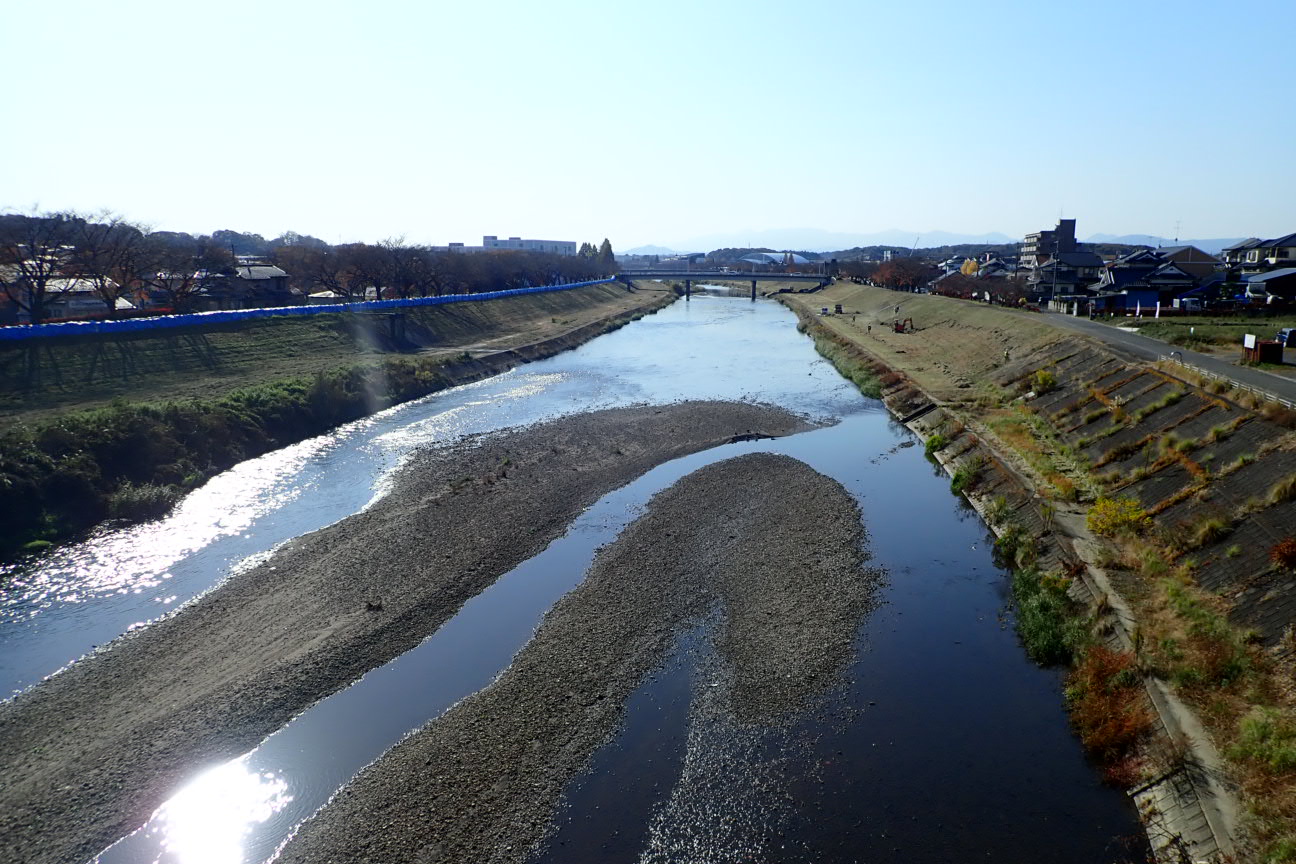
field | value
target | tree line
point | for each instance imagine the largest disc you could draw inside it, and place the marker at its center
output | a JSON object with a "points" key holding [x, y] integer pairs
{"points": [[45, 255]]}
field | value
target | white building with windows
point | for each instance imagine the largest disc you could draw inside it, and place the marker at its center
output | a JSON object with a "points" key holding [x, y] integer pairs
{"points": [[492, 243]]}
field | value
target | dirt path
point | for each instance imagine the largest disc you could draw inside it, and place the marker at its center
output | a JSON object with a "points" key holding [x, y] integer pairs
{"points": [[86, 756], [775, 544]]}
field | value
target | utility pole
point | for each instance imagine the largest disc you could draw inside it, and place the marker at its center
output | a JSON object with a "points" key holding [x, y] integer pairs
{"points": [[1053, 294]]}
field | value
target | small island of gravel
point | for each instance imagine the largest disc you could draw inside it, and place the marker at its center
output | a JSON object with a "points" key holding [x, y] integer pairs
{"points": [[87, 755], [776, 547]]}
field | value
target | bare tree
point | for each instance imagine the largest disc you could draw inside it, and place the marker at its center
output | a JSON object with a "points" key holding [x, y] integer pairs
{"points": [[181, 271], [33, 253], [108, 254]]}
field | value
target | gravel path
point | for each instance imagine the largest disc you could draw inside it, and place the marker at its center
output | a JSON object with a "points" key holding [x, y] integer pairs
{"points": [[777, 546], [87, 755]]}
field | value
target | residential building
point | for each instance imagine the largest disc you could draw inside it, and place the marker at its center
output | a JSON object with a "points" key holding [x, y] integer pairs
{"points": [[1037, 248], [1254, 255], [1201, 265], [250, 286], [1067, 273]]}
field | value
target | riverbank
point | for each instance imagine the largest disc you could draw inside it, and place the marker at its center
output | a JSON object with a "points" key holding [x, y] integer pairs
{"points": [[202, 402], [1184, 588], [775, 546], [88, 754]]}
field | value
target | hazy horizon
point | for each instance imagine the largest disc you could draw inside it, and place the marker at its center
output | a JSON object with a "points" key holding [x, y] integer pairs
{"points": [[580, 121]]}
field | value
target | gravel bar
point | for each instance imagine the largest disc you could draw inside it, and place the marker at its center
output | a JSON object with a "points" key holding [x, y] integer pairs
{"points": [[87, 755], [777, 547]]}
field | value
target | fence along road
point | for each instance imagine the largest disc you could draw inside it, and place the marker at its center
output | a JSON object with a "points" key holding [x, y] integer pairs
{"points": [[165, 322], [1267, 384]]}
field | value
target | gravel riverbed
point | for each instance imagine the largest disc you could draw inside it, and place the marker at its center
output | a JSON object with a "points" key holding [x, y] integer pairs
{"points": [[88, 754], [775, 547]]}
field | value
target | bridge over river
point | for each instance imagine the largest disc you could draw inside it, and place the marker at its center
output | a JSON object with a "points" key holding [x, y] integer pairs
{"points": [[688, 277]]}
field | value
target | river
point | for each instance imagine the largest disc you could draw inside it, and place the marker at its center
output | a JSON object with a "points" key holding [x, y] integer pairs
{"points": [[944, 743]]}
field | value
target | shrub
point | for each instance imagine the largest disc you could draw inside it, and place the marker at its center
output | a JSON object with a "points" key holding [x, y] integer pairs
{"points": [[966, 475], [145, 501], [1046, 617], [997, 512], [1107, 706], [1043, 381], [1113, 517], [1283, 554], [936, 442], [1015, 548]]}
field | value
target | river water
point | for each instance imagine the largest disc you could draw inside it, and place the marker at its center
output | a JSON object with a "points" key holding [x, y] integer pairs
{"points": [[944, 742]]}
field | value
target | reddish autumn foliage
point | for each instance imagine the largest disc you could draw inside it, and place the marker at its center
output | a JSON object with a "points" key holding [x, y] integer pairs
{"points": [[1284, 554], [1107, 703]]}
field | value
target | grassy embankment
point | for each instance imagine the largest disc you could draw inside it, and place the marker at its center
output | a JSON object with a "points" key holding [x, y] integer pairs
{"points": [[122, 427], [1187, 490]]}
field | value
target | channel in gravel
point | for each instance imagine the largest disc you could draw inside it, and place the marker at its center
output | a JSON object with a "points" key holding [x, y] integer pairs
{"points": [[87, 755], [775, 547]]}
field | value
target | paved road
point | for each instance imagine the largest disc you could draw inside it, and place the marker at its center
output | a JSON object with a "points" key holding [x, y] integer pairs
{"points": [[1147, 348]]}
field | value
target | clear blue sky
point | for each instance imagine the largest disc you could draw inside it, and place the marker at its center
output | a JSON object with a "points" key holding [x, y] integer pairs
{"points": [[654, 122]]}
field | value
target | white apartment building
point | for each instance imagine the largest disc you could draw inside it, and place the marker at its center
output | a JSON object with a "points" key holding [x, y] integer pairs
{"points": [[491, 242]]}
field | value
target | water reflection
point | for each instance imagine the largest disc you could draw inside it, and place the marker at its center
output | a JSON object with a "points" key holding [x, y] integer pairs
{"points": [[207, 821], [88, 594]]}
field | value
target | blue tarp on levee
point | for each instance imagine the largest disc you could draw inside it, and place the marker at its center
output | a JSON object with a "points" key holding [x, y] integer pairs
{"points": [[167, 322]]}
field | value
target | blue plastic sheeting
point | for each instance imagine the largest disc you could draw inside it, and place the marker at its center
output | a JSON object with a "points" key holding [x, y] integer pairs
{"points": [[167, 322]]}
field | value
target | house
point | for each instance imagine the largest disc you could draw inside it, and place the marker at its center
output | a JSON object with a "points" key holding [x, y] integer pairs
{"points": [[249, 286], [1066, 273], [77, 297], [1240, 252], [996, 267], [1146, 277], [64, 297], [1200, 265], [1280, 252], [1254, 255]]}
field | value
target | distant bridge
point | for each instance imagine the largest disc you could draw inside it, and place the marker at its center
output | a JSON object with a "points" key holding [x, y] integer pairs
{"points": [[688, 277]]}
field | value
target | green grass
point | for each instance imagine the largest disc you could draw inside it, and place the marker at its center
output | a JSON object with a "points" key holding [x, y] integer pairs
{"points": [[848, 365], [1047, 619], [966, 475], [39, 380], [134, 460], [1208, 330], [1265, 737]]}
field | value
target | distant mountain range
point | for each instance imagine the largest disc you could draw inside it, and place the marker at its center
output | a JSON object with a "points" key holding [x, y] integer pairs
{"points": [[1211, 246], [651, 250], [816, 240]]}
